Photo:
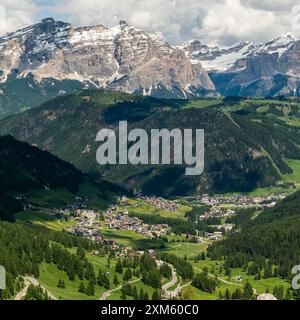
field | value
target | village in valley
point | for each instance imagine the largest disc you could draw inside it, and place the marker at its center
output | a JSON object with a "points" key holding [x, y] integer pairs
{"points": [[127, 231], [89, 223]]}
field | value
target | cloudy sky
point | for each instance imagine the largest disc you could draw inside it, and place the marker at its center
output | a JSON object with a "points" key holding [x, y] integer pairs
{"points": [[216, 21]]}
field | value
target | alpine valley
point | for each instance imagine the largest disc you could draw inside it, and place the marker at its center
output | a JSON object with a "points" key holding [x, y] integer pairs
{"points": [[72, 229]]}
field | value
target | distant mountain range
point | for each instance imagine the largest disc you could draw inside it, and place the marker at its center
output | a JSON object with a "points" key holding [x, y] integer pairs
{"points": [[51, 58], [251, 69], [121, 58]]}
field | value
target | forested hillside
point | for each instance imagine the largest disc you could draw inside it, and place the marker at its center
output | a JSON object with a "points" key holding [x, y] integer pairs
{"points": [[274, 235], [238, 157], [24, 167], [8, 206]]}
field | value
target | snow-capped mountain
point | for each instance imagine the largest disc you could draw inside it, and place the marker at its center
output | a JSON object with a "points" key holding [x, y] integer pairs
{"points": [[119, 58], [52, 57], [251, 69], [222, 59]]}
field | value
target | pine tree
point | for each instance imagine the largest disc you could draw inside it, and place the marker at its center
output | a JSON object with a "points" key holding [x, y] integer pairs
{"points": [[142, 294], [123, 295], [119, 266], [106, 282], [127, 275], [80, 253], [100, 278], [248, 291], [156, 295], [288, 295], [61, 284], [116, 281], [227, 295], [90, 289], [135, 293], [81, 288]]}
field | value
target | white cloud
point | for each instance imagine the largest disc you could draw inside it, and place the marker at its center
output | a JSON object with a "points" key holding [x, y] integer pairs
{"points": [[223, 21], [173, 18], [231, 20], [218, 21], [17, 14]]}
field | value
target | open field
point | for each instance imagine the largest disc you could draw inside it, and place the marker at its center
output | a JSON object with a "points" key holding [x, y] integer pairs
{"points": [[140, 206], [183, 249], [260, 286], [50, 198], [294, 177], [202, 103], [42, 219], [132, 239], [49, 276]]}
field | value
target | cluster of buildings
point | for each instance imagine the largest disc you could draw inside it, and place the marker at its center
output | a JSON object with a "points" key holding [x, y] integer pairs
{"points": [[217, 212], [77, 204], [214, 236], [166, 205], [87, 225], [122, 221], [240, 200]]}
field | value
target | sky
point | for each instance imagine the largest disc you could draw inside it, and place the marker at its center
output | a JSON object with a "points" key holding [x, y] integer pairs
{"points": [[221, 22]]}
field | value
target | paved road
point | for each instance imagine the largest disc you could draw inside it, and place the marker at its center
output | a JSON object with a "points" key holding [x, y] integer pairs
{"points": [[172, 282], [23, 292], [28, 281], [169, 294]]}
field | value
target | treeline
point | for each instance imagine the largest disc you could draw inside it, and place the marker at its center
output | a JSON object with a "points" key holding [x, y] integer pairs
{"points": [[24, 167], [182, 266], [144, 267], [283, 140], [132, 291], [202, 225], [8, 206], [36, 293], [178, 226], [22, 248], [246, 293], [271, 239], [196, 212], [205, 283], [242, 216]]}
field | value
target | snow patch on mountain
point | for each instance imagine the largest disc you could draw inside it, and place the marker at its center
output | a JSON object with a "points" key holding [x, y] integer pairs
{"points": [[119, 58], [221, 59]]}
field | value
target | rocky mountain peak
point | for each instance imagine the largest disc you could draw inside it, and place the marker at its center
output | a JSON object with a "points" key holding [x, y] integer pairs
{"points": [[123, 24], [120, 58], [252, 69]]}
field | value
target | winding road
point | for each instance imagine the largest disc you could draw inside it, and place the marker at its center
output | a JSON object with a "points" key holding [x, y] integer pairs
{"points": [[28, 281]]}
